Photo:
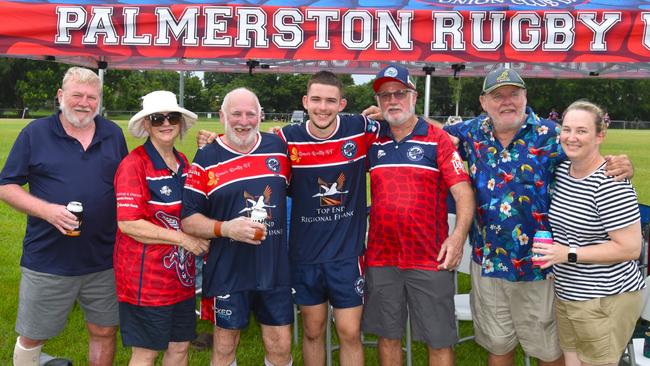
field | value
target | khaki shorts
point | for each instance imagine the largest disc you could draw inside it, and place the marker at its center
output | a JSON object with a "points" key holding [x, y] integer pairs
{"points": [[506, 313], [598, 329]]}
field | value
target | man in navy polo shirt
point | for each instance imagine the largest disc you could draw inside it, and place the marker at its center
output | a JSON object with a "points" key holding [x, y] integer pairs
{"points": [[69, 156]]}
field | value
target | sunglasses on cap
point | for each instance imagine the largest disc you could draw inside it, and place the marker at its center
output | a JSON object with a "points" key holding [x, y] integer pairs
{"points": [[157, 119]]}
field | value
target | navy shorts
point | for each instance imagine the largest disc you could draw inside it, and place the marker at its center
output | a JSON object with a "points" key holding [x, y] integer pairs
{"points": [[341, 282], [153, 327], [232, 311]]}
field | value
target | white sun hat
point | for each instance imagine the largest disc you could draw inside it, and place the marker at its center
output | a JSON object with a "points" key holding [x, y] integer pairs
{"points": [[159, 101]]}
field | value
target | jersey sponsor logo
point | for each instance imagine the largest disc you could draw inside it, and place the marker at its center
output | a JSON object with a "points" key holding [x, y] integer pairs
{"points": [[349, 149], [165, 190], [380, 153], [360, 286], [294, 155], [331, 194], [262, 202], [273, 164], [415, 153], [213, 179], [457, 163]]}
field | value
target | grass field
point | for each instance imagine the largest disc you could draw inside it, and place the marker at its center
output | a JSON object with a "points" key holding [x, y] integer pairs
{"points": [[72, 342]]}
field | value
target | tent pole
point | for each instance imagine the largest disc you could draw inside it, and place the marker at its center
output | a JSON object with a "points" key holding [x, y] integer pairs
{"points": [[427, 88], [457, 69], [100, 73], [181, 90]]}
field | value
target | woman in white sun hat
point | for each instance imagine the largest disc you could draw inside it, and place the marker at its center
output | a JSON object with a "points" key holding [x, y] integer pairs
{"points": [[153, 259]]}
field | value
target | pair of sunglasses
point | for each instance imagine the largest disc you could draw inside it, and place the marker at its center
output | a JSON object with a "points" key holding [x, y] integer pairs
{"points": [[157, 119]]}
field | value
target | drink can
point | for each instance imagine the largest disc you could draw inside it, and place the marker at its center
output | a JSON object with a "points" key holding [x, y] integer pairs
{"points": [[543, 237], [76, 208]]}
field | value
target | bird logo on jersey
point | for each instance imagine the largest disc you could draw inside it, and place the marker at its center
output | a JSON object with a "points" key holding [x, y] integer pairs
{"points": [[331, 193], [258, 203]]}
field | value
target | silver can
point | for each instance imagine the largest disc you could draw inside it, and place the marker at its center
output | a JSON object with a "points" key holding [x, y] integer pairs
{"points": [[76, 208]]}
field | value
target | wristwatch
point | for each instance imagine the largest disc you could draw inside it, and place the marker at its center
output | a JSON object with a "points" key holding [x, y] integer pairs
{"points": [[573, 255]]}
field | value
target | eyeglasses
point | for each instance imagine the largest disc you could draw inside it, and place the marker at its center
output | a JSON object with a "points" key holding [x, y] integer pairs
{"points": [[398, 94], [157, 119]]}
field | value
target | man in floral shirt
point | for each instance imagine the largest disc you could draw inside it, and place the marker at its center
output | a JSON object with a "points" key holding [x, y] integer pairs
{"points": [[512, 154]]}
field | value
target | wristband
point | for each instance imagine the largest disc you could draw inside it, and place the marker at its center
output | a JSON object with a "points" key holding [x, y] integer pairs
{"points": [[217, 228]]}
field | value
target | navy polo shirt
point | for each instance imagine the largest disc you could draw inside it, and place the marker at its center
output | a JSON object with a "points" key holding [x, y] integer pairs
{"points": [[58, 170]]}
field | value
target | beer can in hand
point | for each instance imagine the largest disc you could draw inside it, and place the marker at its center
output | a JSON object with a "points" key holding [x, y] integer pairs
{"points": [[77, 209]]}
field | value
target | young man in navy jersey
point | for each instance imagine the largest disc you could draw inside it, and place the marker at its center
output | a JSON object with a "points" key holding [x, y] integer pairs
{"points": [[240, 177], [69, 156], [328, 217]]}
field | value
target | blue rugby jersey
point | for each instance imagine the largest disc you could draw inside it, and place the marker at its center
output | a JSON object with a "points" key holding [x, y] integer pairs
{"points": [[328, 189], [223, 184]]}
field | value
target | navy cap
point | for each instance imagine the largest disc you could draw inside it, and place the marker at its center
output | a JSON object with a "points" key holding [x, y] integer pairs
{"points": [[393, 73], [500, 77]]}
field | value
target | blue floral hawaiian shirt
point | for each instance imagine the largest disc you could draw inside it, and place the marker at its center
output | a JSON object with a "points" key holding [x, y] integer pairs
{"points": [[512, 186]]}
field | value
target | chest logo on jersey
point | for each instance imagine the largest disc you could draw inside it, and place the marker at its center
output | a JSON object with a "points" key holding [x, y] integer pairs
{"points": [[349, 149], [213, 179], [258, 203], [415, 153], [166, 191], [331, 194], [294, 155], [273, 164]]}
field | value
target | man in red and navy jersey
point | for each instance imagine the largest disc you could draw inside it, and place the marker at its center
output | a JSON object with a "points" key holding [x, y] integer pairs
{"points": [[242, 176], [328, 217], [413, 165]]}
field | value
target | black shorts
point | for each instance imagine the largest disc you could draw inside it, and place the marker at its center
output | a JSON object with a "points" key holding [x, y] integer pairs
{"points": [[153, 327]]}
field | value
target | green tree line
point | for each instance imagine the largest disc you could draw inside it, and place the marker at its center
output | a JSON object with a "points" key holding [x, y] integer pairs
{"points": [[33, 84]]}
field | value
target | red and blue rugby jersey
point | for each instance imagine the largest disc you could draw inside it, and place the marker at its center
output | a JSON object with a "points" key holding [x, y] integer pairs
{"points": [[224, 184], [145, 188], [409, 183], [328, 190]]}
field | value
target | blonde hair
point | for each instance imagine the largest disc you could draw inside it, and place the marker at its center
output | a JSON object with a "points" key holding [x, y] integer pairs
{"points": [[82, 75], [594, 109]]}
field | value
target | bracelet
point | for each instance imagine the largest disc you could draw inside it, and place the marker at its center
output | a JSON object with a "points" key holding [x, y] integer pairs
{"points": [[217, 228]]}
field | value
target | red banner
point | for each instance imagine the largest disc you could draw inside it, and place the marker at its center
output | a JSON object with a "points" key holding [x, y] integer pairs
{"points": [[566, 42]]}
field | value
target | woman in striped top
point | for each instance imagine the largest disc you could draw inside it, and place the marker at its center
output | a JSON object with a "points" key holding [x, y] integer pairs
{"points": [[597, 238]]}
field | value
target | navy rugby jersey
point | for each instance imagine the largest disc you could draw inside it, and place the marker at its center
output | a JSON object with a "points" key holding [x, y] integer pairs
{"points": [[328, 190], [223, 184]]}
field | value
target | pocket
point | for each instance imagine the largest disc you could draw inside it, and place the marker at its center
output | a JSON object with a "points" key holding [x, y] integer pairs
{"points": [[593, 328]]}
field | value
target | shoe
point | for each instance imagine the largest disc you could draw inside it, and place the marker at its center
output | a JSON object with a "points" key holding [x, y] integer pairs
{"points": [[47, 360], [202, 342]]}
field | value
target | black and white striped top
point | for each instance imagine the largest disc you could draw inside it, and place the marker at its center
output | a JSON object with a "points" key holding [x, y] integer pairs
{"points": [[582, 212]]}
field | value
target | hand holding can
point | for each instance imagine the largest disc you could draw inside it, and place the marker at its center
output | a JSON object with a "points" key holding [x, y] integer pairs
{"points": [[541, 237], [76, 208]]}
